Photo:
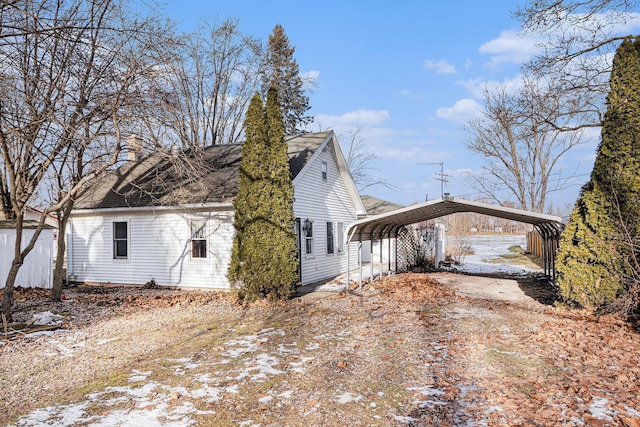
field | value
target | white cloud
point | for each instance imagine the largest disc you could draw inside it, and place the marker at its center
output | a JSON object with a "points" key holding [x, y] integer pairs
{"points": [[409, 94], [310, 78], [360, 117], [476, 87], [440, 67], [510, 47], [462, 111], [410, 154], [631, 24]]}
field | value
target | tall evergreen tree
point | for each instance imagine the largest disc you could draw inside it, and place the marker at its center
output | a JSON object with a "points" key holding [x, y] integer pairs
{"points": [[263, 260], [590, 258], [280, 70]]}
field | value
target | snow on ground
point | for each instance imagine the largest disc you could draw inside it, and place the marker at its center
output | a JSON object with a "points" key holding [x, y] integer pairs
{"points": [[487, 250], [148, 402]]}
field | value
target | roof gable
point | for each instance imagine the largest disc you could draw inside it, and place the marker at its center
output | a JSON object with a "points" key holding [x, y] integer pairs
{"points": [[331, 141]]}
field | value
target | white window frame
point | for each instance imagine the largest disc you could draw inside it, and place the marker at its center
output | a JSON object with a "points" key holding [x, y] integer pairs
{"points": [[340, 233], [331, 238], [202, 238], [115, 239], [308, 240], [324, 172]]}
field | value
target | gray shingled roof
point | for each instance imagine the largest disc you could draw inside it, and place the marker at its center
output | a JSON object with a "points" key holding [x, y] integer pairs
{"points": [[375, 206], [208, 176]]}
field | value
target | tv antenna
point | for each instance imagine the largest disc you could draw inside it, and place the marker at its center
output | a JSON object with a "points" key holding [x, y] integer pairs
{"points": [[439, 177]]}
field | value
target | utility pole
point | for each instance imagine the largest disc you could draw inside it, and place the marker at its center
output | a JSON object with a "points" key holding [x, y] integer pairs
{"points": [[442, 177]]}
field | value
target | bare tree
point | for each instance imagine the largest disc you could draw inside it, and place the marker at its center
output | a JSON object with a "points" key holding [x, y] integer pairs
{"points": [[578, 41], [209, 78], [360, 159], [520, 144], [69, 75]]}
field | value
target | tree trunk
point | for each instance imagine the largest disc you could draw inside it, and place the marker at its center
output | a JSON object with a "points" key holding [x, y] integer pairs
{"points": [[58, 271], [7, 298]]}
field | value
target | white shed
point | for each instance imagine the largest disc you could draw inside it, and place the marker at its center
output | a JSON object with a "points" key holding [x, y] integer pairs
{"points": [[37, 269]]}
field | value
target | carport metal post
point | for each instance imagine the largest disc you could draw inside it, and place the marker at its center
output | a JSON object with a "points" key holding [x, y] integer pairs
{"points": [[389, 251], [395, 244], [371, 256], [381, 260], [360, 259], [348, 266]]}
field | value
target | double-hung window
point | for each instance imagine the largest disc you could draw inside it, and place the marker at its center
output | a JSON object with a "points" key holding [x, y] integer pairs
{"points": [[198, 238], [120, 240], [308, 239], [324, 171], [330, 238]]}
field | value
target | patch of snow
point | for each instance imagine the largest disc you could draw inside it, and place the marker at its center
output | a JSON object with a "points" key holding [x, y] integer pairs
{"points": [[47, 318], [286, 394], [151, 409], [599, 409], [632, 412], [282, 348], [330, 287], [427, 391], [487, 258], [312, 346], [138, 376], [264, 365], [42, 334], [271, 331], [265, 399], [106, 341], [64, 416], [404, 420], [244, 345], [182, 364], [347, 397], [297, 366]]}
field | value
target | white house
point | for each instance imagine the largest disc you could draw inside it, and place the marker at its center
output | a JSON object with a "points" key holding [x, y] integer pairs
{"points": [[165, 218], [37, 268]]}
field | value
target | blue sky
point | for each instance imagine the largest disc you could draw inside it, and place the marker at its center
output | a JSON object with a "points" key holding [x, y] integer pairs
{"points": [[409, 73]]}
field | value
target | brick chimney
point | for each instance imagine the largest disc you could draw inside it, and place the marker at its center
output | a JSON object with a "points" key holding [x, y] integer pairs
{"points": [[134, 147]]}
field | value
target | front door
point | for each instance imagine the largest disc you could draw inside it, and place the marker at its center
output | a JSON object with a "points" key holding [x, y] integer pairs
{"points": [[299, 248]]}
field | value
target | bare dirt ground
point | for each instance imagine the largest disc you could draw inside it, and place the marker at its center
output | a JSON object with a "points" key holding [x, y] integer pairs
{"points": [[412, 349]]}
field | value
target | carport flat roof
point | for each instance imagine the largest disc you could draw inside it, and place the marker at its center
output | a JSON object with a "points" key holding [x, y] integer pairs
{"points": [[392, 221]]}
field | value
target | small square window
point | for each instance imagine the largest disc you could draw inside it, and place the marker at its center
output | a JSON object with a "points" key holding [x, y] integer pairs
{"points": [[324, 171], [198, 239]]}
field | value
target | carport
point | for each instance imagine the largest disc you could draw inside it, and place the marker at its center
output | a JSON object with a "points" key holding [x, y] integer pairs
{"points": [[387, 225]]}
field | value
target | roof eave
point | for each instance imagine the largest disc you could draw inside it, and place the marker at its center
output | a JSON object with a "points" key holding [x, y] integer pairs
{"points": [[142, 209]]}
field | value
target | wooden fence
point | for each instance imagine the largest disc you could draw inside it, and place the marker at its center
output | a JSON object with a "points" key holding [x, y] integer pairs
{"points": [[534, 243]]}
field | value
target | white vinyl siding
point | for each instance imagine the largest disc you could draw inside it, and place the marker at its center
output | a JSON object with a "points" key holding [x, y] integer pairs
{"points": [[322, 204], [37, 269], [160, 248]]}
